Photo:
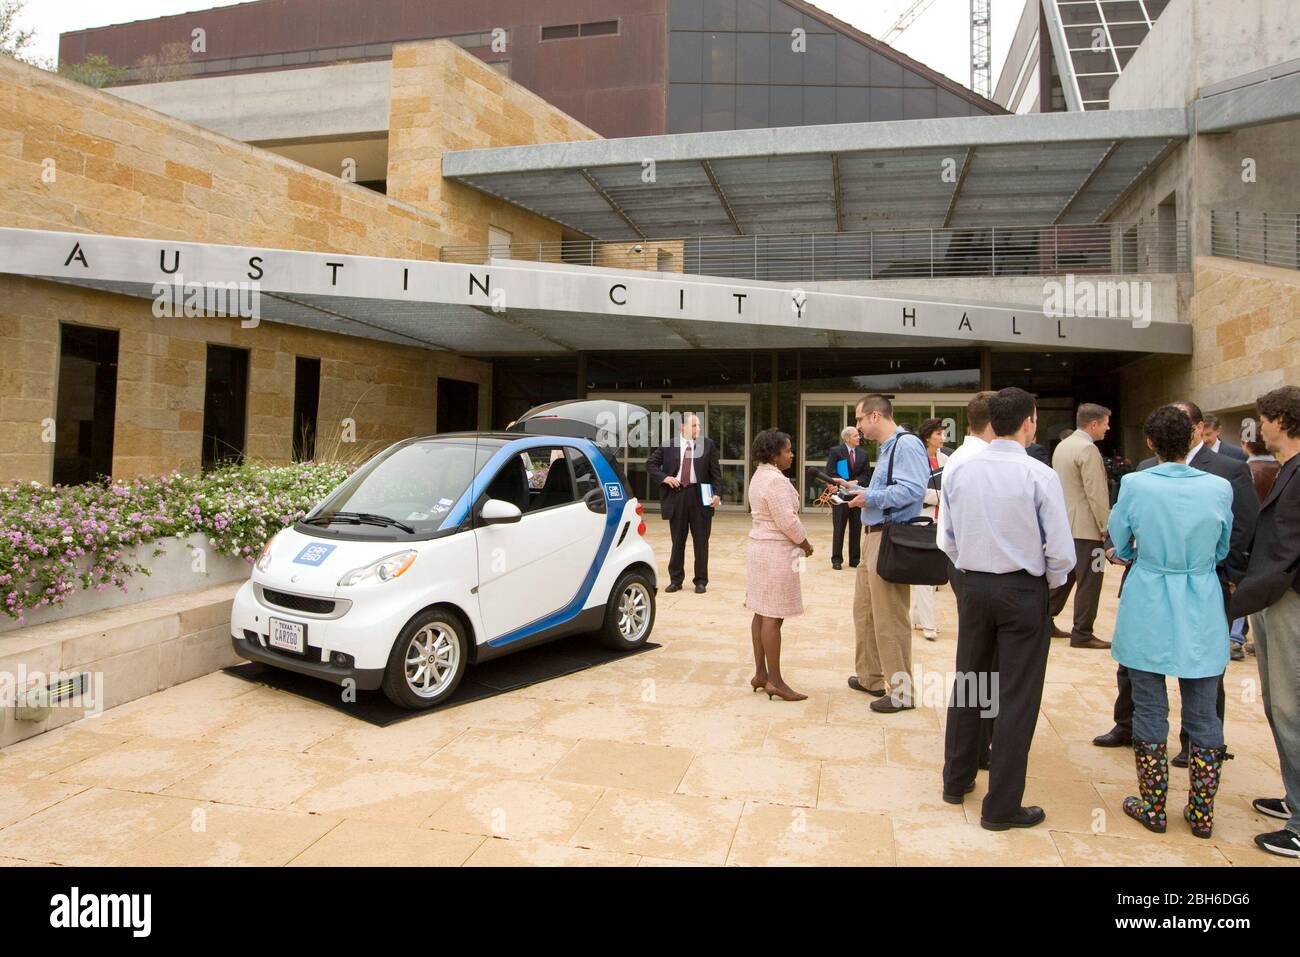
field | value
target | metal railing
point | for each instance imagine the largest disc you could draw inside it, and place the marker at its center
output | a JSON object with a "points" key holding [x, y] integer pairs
{"points": [[1102, 249], [1271, 239]]}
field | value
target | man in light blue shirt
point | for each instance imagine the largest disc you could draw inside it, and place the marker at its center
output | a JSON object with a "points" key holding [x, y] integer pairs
{"points": [[1002, 521], [881, 609]]}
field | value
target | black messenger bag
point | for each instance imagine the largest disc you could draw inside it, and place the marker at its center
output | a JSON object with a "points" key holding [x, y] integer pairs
{"points": [[909, 552]]}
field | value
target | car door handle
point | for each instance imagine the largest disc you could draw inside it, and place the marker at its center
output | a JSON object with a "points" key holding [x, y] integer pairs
{"points": [[595, 500]]}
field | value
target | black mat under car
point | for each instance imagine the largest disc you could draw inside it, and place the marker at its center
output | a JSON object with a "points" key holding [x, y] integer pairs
{"points": [[530, 666]]}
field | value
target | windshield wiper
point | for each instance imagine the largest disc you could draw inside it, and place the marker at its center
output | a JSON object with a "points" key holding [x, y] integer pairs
{"points": [[357, 518]]}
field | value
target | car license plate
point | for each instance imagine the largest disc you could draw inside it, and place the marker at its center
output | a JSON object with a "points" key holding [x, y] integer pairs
{"points": [[288, 636]]}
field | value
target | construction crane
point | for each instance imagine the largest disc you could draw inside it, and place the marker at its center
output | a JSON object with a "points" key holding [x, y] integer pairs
{"points": [[908, 17], [981, 66]]}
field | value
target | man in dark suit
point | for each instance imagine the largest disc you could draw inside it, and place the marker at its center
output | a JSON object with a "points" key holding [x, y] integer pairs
{"points": [[1245, 512], [1270, 593], [843, 517], [1213, 431], [681, 467]]}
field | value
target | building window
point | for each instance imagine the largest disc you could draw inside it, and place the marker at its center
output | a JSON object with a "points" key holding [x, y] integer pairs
{"points": [[571, 31], [86, 405], [306, 407], [225, 406]]}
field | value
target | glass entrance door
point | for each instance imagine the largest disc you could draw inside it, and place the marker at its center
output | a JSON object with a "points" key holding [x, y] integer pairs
{"points": [[825, 416], [724, 418]]}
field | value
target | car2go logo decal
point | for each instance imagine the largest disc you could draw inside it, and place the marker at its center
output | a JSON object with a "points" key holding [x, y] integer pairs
{"points": [[614, 491], [313, 554]]}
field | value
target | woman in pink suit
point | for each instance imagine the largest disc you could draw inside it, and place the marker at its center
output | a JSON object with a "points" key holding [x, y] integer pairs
{"points": [[772, 560]]}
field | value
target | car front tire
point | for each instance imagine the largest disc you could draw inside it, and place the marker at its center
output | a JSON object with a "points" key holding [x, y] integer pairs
{"points": [[428, 660], [630, 612]]}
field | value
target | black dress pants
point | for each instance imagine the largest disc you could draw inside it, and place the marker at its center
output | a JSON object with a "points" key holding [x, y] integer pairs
{"points": [[845, 519], [689, 515], [1001, 618], [986, 724]]}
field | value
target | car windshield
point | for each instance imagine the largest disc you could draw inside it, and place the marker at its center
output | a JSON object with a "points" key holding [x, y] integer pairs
{"points": [[415, 485]]}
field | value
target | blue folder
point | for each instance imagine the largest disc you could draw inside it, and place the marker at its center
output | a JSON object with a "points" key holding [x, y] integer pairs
{"points": [[842, 469]]}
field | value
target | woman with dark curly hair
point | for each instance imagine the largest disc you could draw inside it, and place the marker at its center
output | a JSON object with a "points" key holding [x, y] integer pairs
{"points": [[772, 590], [1174, 522]]}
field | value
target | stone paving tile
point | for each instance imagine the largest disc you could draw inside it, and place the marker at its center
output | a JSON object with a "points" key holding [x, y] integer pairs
{"points": [[937, 839], [516, 809], [1107, 850], [375, 844], [44, 754], [398, 795], [221, 835], [770, 835], [406, 742], [502, 753], [616, 764], [144, 764], [266, 779], [673, 826], [825, 742], [753, 777], [501, 853], [94, 828], [20, 799], [852, 787]]}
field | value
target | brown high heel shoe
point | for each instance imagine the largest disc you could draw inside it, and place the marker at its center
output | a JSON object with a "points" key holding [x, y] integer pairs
{"points": [[757, 685], [773, 691]]}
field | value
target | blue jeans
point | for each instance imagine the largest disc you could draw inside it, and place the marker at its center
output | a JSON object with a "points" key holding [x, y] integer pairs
{"points": [[1151, 709], [1238, 631], [1277, 649]]}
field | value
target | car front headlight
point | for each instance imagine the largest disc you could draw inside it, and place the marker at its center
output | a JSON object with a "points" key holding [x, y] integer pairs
{"points": [[264, 559], [384, 570]]}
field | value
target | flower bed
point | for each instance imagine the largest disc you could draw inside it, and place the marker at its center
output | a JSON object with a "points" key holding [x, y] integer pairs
{"points": [[58, 540]]}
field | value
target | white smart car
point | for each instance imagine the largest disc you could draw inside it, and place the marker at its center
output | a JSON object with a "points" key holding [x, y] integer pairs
{"points": [[445, 551]]}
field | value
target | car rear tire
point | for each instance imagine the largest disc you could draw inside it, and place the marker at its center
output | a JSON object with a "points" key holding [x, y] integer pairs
{"points": [[629, 613], [427, 661]]}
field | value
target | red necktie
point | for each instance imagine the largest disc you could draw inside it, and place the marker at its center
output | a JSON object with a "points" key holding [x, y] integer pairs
{"points": [[851, 463], [686, 465]]}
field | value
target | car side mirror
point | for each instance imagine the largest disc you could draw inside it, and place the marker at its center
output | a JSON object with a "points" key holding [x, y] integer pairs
{"points": [[497, 512]]}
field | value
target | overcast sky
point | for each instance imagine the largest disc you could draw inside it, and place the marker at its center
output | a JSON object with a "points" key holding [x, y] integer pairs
{"points": [[940, 38]]}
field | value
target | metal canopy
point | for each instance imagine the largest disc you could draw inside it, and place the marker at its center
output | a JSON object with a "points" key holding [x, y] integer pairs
{"points": [[1066, 168], [515, 308]]}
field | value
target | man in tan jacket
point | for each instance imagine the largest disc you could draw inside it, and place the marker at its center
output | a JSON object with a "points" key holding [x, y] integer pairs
{"points": [[1078, 463]]}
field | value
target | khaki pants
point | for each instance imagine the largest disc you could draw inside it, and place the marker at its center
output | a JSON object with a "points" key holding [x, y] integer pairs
{"points": [[881, 619]]}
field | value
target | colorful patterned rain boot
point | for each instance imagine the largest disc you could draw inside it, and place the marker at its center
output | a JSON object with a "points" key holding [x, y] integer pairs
{"points": [[1153, 785], [1204, 769]]}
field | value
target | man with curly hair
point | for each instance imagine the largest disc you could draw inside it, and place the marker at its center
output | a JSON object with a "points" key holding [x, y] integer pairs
{"points": [[1270, 594]]}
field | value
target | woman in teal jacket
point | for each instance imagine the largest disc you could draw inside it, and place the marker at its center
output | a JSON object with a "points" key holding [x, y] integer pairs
{"points": [[1173, 522]]}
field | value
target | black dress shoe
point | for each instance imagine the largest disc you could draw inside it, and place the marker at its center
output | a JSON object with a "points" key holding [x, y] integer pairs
{"points": [[1114, 738], [854, 564], [1025, 817], [674, 586], [1057, 633], [958, 798], [983, 762], [699, 589], [856, 685], [888, 704], [1179, 760], [837, 565]]}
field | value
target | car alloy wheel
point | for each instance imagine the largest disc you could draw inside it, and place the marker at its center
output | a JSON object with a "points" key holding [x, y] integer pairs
{"points": [[633, 612], [432, 659]]}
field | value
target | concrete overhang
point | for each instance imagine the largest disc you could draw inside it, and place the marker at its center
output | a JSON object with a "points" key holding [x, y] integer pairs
{"points": [[1265, 96], [513, 308], [1032, 169]]}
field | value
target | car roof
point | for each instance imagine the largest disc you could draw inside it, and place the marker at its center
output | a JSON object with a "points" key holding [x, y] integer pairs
{"points": [[498, 438]]}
